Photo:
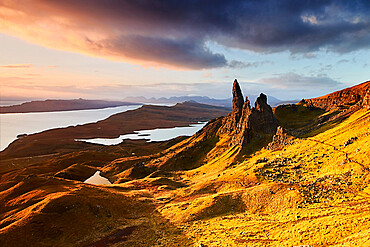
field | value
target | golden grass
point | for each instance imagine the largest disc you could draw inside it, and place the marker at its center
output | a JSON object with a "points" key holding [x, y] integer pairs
{"points": [[322, 197], [313, 192]]}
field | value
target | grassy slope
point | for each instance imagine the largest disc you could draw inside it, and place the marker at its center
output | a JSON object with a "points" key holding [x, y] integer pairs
{"points": [[244, 205], [56, 212], [314, 191]]}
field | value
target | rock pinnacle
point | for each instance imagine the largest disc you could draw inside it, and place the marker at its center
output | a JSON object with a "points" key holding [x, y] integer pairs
{"points": [[238, 100]]}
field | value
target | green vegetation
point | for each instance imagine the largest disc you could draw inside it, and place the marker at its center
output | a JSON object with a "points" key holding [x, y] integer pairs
{"points": [[297, 116]]}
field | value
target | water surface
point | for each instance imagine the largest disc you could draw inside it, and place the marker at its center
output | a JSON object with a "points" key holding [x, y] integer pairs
{"points": [[13, 124], [160, 134]]}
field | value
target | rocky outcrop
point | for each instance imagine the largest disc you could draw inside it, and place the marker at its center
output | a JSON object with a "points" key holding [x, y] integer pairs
{"points": [[238, 100], [245, 128], [233, 117], [262, 117], [340, 99], [280, 140], [244, 122]]}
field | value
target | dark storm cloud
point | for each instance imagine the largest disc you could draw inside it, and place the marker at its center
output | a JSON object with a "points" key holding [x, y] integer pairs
{"points": [[180, 53], [176, 33]]}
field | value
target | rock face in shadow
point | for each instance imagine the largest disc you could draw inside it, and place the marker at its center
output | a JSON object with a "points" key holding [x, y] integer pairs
{"points": [[262, 117], [244, 122], [238, 100]]}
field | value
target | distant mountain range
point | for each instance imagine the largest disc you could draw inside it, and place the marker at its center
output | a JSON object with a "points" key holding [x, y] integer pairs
{"points": [[203, 100], [83, 104]]}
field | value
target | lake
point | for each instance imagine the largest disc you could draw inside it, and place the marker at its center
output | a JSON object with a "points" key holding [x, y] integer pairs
{"points": [[13, 124], [160, 134]]}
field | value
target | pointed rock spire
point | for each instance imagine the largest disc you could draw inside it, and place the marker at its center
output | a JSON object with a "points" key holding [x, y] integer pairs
{"points": [[238, 100], [245, 123], [263, 119], [247, 105], [261, 101]]}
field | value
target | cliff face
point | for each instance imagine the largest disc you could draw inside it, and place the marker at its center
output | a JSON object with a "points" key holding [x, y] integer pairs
{"points": [[238, 100], [233, 118], [366, 101], [343, 98], [244, 122]]}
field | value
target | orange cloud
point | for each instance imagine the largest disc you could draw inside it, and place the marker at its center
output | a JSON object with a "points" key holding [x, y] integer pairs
{"points": [[178, 34], [16, 66], [56, 25]]}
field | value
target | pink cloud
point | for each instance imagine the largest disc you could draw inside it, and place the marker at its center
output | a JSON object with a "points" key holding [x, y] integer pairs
{"points": [[16, 66]]}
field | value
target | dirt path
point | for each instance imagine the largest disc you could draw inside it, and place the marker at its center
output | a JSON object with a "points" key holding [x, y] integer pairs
{"points": [[341, 151]]}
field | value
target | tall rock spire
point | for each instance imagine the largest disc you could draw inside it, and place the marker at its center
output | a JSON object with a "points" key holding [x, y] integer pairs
{"points": [[245, 123], [263, 119], [238, 100]]}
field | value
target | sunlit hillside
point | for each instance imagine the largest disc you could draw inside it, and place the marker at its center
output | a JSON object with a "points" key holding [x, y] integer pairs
{"points": [[313, 192], [296, 175], [121, 123]]}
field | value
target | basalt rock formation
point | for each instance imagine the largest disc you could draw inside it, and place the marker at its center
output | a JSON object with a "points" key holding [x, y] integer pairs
{"points": [[243, 130], [340, 99], [233, 117], [280, 140], [338, 105], [244, 122], [238, 101]]}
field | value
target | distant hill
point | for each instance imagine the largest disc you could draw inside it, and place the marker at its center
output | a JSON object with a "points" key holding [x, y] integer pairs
{"points": [[144, 118], [200, 99], [51, 105], [61, 105], [340, 99]]}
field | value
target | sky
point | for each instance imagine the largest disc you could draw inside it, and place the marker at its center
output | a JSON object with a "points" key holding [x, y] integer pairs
{"points": [[107, 49]]}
